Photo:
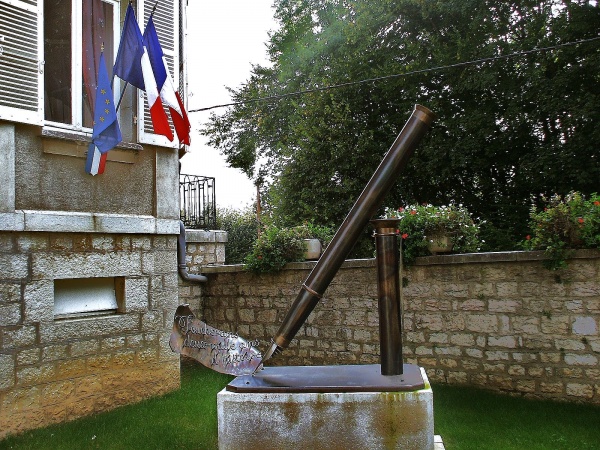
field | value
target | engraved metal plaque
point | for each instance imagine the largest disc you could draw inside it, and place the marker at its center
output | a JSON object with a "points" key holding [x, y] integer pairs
{"points": [[218, 350]]}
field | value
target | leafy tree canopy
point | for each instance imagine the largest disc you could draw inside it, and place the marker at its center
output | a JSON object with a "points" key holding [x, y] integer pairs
{"points": [[510, 126]]}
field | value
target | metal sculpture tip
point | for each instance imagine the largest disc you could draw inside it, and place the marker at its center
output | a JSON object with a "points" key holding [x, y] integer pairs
{"points": [[273, 350], [259, 367]]}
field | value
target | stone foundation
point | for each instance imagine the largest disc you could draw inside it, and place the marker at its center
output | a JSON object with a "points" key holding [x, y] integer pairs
{"points": [[55, 369], [329, 421]]}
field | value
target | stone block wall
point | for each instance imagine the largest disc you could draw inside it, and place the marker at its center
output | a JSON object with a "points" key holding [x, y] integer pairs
{"points": [[205, 248], [58, 369], [499, 321]]}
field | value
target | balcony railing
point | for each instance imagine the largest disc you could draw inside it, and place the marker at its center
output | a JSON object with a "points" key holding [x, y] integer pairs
{"points": [[197, 202]]}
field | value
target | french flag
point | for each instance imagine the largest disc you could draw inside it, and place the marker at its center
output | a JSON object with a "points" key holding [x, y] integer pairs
{"points": [[95, 161], [133, 65], [164, 83]]}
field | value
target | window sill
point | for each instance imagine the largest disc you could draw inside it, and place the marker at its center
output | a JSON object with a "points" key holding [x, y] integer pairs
{"points": [[72, 143], [86, 315]]}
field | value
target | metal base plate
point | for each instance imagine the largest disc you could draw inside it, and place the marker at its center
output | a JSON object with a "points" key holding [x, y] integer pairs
{"points": [[354, 378]]}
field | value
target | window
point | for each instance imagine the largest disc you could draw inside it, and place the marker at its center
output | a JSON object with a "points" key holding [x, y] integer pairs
{"points": [[71, 63], [79, 297], [48, 49]]}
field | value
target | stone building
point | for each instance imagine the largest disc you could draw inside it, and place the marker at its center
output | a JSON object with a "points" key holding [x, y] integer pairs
{"points": [[88, 264]]}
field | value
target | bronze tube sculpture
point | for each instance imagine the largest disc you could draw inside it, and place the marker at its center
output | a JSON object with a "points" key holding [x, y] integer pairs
{"points": [[388, 290], [365, 207]]}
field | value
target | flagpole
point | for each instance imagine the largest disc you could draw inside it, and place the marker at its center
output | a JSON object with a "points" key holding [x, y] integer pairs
{"points": [[127, 82], [112, 82], [122, 94]]}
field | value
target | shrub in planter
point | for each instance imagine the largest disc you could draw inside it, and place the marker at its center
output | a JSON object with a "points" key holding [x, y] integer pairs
{"points": [[423, 225], [242, 230], [564, 224], [276, 246]]}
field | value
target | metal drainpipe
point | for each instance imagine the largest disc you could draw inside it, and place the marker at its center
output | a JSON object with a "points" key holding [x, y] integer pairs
{"points": [[181, 248]]}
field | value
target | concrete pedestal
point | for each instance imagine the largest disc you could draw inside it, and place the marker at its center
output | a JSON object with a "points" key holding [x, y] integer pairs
{"points": [[322, 420]]}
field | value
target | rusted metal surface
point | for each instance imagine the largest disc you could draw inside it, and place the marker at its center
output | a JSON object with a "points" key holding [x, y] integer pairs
{"points": [[388, 289], [351, 378], [218, 350], [363, 210]]}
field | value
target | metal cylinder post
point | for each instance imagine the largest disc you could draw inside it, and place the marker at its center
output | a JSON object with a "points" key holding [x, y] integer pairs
{"points": [[388, 288]]}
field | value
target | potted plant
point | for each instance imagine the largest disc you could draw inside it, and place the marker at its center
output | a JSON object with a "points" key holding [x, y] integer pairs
{"points": [[562, 225], [273, 249], [277, 246], [427, 229], [316, 239]]}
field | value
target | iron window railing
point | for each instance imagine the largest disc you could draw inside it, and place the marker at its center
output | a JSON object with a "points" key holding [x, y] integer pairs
{"points": [[197, 201]]}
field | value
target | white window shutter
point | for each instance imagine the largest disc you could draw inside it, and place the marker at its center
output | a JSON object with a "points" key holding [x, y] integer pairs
{"points": [[166, 21], [182, 72], [21, 65]]}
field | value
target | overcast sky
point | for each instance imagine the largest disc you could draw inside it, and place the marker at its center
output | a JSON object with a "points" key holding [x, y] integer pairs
{"points": [[225, 37]]}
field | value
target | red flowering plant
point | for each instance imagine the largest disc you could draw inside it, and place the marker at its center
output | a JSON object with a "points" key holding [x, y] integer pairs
{"points": [[562, 225], [420, 226]]}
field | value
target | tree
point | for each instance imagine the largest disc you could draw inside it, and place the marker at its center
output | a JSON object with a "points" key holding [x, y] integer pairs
{"points": [[510, 126]]}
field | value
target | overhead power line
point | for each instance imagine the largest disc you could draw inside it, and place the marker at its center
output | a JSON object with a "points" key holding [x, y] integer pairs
{"points": [[398, 75]]}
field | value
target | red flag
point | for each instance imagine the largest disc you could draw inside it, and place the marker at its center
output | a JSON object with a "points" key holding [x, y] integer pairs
{"points": [[181, 122]]}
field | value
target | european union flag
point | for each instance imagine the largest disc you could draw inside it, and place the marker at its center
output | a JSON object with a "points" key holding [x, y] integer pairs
{"points": [[128, 64], [106, 132]]}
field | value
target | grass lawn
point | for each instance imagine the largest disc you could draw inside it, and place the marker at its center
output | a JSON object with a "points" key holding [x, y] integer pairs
{"points": [[187, 419], [468, 418]]}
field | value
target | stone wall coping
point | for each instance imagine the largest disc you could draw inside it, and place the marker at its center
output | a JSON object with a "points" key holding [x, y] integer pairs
{"points": [[224, 268], [85, 222], [303, 265], [201, 236], [513, 256], [464, 258]]}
